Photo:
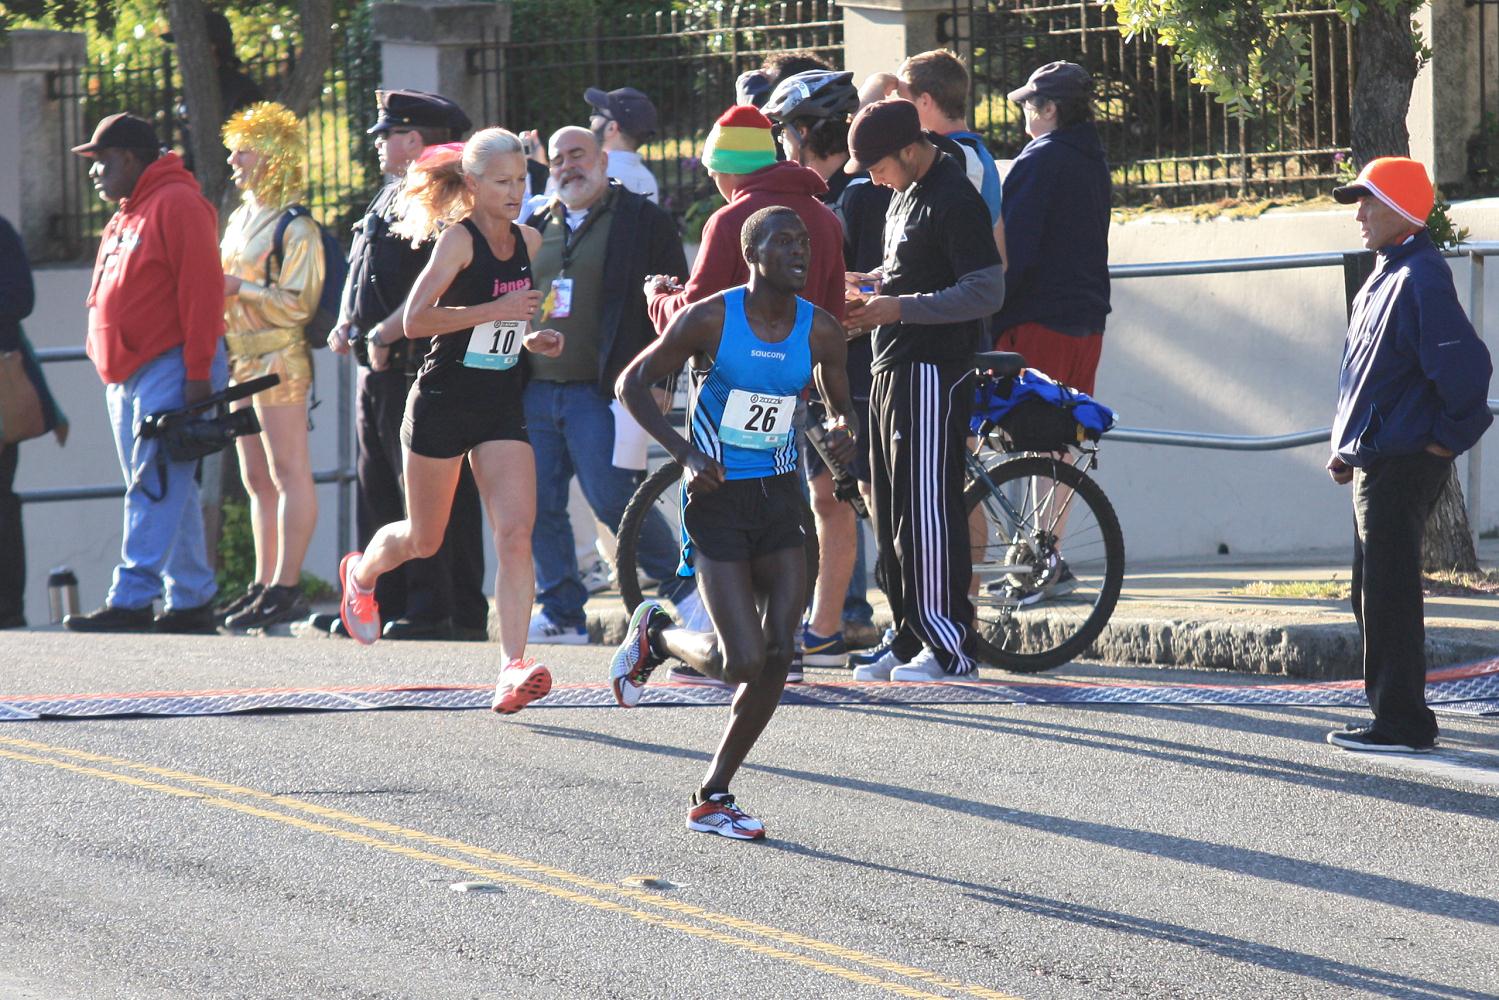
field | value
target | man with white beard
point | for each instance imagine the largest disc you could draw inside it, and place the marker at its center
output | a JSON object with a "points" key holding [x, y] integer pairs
{"points": [[599, 243]]}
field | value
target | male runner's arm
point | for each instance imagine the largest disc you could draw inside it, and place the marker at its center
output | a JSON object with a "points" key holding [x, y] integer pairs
{"points": [[694, 331], [454, 252], [830, 373]]}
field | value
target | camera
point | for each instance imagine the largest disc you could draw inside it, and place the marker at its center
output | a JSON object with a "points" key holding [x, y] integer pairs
{"points": [[197, 431]]}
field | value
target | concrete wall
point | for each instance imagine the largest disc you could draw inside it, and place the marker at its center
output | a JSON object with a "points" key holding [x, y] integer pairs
{"points": [[86, 534], [1251, 354]]}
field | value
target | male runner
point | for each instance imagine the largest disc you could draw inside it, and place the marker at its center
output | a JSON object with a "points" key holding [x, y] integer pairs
{"points": [[754, 349]]}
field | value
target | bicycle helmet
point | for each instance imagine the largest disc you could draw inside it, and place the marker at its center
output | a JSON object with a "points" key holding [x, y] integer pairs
{"points": [[817, 93], [752, 87]]}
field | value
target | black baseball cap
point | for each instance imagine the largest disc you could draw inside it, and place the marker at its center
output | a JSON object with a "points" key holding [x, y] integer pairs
{"points": [[418, 109], [1055, 81], [120, 131], [880, 130], [633, 111]]}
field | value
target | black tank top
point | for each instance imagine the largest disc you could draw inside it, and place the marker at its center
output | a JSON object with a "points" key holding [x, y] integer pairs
{"points": [[468, 370]]}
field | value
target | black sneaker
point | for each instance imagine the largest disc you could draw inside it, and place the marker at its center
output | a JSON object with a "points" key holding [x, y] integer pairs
{"points": [[276, 605], [469, 633], [406, 628], [1372, 741], [236, 605], [189, 621], [112, 619]]}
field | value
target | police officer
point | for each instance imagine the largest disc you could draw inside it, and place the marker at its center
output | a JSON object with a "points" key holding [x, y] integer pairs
{"points": [[441, 597]]}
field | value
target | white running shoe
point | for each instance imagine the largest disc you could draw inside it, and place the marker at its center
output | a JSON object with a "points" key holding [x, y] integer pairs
{"points": [[545, 631], [926, 669], [357, 608], [879, 670], [521, 682]]}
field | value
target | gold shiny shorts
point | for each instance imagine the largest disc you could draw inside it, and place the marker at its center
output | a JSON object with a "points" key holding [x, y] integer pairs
{"points": [[293, 363]]}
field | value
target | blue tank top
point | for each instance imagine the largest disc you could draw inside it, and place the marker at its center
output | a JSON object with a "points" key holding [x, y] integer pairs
{"points": [[742, 407]]}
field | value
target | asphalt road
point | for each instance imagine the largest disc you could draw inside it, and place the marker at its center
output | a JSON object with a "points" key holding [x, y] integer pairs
{"points": [[949, 851]]}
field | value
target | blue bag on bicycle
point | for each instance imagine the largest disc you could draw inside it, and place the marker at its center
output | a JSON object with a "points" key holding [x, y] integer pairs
{"points": [[1038, 413]]}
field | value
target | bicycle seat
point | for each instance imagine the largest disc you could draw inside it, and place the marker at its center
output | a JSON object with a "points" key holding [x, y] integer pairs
{"points": [[1001, 363]]}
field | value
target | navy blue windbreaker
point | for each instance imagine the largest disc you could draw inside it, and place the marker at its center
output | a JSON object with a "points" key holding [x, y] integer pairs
{"points": [[1414, 372]]}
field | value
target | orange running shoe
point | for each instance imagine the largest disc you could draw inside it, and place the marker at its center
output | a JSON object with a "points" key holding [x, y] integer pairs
{"points": [[360, 613]]}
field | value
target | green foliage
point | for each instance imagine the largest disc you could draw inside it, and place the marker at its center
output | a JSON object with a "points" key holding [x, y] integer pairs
{"points": [[237, 556], [1248, 55]]}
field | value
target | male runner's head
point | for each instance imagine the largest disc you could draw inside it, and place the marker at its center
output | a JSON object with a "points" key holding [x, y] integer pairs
{"points": [[777, 248]]}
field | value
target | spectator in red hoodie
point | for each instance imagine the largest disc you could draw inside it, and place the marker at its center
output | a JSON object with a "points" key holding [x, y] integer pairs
{"points": [[741, 157], [155, 333]]}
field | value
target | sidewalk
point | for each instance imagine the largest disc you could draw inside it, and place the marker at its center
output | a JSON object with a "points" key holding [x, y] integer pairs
{"points": [[1186, 614]]}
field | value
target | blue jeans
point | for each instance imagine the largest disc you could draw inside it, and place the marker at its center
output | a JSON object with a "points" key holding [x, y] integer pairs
{"points": [[856, 606], [164, 552], [572, 432]]}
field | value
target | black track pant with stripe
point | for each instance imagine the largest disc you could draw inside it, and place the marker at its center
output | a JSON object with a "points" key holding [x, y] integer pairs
{"points": [[919, 417]]}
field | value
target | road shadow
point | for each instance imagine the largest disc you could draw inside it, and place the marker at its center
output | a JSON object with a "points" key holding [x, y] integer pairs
{"points": [[1341, 974], [1251, 862]]}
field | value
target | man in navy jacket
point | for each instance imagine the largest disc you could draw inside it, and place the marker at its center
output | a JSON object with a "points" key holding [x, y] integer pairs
{"points": [[1412, 395]]}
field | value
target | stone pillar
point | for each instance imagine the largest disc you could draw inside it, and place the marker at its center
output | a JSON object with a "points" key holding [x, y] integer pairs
{"points": [[424, 45], [36, 186], [1445, 98], [879, 34]]}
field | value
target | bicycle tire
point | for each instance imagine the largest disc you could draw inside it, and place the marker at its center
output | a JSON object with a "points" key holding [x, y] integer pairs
{"points": [[647, 495], [1032, 638]]}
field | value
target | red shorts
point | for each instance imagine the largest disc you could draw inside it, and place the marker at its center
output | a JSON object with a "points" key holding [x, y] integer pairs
{"points": [[1073, 361]]}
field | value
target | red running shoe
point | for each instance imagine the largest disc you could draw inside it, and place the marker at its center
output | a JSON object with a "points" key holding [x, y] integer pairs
{"points": [[357, 609], [718, 814], [521, 682]]}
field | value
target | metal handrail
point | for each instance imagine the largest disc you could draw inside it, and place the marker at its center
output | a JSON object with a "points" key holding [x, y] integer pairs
{"points": [[1230, 442]]}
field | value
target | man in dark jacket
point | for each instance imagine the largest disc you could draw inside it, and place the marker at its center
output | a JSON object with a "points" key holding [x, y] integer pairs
{"points": [[1412, 396], [1056, 223], [599, 241]]}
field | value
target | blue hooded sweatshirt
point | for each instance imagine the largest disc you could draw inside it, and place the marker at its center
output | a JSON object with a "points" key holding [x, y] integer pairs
{"points": [[1056, 211], [1414, 371]]}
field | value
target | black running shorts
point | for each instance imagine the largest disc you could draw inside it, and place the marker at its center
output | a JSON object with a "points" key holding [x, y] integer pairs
{"points": [[436, 427], [746, 518]]}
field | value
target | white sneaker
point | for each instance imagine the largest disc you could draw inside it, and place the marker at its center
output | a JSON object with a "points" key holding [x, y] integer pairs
{"points": [[879, 670], [926, 669], [692, 614], [596, 578], [544, 630]]}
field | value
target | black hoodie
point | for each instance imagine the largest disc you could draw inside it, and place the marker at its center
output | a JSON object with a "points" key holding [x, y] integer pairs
{"points": [[1056, 212]]}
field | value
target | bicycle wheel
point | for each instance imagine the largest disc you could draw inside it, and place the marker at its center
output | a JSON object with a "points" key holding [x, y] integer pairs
{"points": [[659, 493], [1048, 566]]}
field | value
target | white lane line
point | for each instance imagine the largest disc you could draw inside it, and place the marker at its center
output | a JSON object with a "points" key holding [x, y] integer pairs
{"points": [[1451, 763]]}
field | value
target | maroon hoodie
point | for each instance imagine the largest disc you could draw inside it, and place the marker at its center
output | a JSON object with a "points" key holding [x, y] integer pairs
{"points": [[157, 281], [720, 261]]}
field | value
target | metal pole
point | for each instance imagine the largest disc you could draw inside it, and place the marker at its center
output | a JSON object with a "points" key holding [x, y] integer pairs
{"points": [[345, 454], [1475, 454]]}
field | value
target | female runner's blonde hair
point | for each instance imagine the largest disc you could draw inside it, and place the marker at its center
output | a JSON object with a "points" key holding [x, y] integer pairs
{"points": [[436, 196]]}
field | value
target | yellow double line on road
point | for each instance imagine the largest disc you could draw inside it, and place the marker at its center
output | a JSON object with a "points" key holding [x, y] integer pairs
{"points": [[643, 906]]}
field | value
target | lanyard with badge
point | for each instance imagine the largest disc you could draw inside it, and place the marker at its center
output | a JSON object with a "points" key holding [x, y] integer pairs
{"points": [[559, 301]]}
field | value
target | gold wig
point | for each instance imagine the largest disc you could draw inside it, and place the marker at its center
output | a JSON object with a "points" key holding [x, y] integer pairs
{"points": [[271, 130]]}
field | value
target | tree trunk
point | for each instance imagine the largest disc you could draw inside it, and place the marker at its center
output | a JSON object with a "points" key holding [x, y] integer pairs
{"points": [[1385, 49], [200, 91], [305, 81], [1449, 542]]}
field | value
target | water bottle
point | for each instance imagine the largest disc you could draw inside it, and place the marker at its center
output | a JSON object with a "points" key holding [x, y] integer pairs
{"points": [[62, 593], [845, 486]]}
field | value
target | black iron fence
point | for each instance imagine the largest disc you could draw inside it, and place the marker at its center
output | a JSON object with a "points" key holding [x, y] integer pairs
{"points": [[1164, 136], [342, 171], [685, 60]]}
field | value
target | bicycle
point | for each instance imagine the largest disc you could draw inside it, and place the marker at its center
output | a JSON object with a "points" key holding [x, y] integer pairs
{"points": [[1033, 608]]}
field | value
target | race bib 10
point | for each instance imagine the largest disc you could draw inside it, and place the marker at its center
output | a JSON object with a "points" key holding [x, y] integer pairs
{"points": [[757, 420], [495, 346]]}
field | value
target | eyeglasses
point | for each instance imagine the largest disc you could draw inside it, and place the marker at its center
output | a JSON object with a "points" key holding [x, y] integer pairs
{"points": [[385, 136], [601, 114]]}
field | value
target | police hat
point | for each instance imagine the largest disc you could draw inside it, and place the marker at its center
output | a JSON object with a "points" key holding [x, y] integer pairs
{"points": [[416, 108]]}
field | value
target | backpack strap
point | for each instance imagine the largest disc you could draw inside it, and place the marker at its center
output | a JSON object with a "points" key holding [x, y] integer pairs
{"points": [[278, 241]]}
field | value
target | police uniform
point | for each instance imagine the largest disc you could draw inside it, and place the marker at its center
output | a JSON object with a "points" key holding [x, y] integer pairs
{"points": [[449, 587]]}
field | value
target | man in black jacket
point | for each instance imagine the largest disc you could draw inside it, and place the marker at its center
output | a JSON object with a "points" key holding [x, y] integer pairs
{"points": [[599, 242]]}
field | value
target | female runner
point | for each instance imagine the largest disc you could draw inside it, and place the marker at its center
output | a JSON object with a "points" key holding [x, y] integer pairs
{"points": [[474, 299]]}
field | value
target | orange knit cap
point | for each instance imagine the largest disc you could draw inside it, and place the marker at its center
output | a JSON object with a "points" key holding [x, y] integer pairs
{"points": [[1398, 181]]}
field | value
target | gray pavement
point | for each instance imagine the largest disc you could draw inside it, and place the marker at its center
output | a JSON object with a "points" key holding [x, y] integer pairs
{"points": [[952, 851]]}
